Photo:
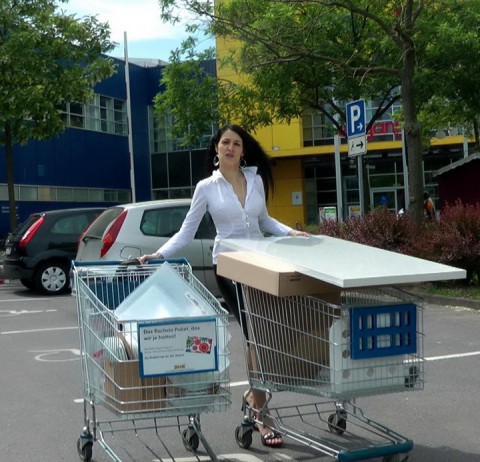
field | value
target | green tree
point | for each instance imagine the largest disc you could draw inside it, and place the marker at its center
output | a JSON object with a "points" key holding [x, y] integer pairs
{"points": [[191, 96], [47, 58], [320, 54]]}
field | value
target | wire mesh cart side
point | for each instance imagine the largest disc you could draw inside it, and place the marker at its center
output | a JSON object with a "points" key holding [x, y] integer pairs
{"points": [[154, 355], [368, 342]]}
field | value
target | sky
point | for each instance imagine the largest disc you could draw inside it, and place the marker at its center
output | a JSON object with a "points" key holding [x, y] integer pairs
{"points": [[147, 36]]}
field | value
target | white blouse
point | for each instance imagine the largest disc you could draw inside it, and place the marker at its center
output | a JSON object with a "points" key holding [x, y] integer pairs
{"points": [[216, 195]]}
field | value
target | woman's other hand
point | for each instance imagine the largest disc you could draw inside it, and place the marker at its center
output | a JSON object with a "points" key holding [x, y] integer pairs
{"points": [[295, 232]]}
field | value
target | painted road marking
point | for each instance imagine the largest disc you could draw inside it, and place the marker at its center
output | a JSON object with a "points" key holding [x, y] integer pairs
{"points": [[30, 331], [44, 353], [9, 313], [231, 458], [455, 355]]}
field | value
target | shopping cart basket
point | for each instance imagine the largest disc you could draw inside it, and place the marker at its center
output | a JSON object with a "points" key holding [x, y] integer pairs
{"points": [[154, 355], [368, 342]]}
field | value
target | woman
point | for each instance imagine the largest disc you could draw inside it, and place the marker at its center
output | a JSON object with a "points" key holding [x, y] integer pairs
{"points": [[235, 195]]}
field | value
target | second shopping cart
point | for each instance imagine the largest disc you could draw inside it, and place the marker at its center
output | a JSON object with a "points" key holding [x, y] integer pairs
{"points": [[369, 343]]}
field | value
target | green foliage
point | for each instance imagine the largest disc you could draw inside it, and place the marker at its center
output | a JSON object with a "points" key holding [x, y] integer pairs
{"points": [[453, 240], [47, 59], [191, 99]]}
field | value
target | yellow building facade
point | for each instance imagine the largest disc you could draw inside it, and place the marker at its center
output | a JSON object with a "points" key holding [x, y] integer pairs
{"points": [[304, 169]]}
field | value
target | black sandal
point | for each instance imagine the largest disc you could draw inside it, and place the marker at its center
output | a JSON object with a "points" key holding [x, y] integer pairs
{"points": [[269, 439]]}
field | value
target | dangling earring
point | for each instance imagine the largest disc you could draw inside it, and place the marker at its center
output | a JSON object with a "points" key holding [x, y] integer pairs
{"points": [[216, 161], [243, 162]]}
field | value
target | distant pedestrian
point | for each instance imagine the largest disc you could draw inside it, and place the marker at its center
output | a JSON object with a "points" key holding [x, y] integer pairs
{"points": [[383, 201], [428, 206]]}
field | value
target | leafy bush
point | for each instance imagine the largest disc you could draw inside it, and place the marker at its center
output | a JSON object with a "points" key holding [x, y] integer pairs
{"points": [[453, 240]]}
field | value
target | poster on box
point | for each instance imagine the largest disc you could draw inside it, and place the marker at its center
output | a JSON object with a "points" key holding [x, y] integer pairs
{"points": [[177, 347]]}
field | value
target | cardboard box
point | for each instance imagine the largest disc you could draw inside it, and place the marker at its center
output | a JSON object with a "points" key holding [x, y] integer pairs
{"points": [[289, 338], [271, 275], [123, 386], [125, 391]]}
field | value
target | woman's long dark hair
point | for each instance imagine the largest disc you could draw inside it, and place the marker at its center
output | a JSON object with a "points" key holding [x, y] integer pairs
{"points": [[253, 154]]}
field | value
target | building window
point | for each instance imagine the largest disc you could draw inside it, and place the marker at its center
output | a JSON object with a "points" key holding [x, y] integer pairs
{"points": [[62, 194], [176, 169], [162, 139], [101, 114], [317, 129]]}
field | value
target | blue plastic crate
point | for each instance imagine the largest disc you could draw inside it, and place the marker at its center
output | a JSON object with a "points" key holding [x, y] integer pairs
{"points": [[379, 331]]}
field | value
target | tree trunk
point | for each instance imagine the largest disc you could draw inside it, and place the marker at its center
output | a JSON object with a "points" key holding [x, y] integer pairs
{"points": [[414, 202], [12, 206]]}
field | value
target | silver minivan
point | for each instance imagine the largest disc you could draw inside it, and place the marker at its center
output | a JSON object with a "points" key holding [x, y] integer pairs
{"points": [[131, 230]]}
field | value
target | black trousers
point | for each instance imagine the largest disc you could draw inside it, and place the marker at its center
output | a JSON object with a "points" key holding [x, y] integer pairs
{"points": [[232, 294]]}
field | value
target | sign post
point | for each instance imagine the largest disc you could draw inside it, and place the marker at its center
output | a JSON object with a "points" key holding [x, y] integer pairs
{"points": [[357, 140]]}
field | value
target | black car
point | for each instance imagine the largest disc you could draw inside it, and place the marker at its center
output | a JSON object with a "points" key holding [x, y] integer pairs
{"points": [[41, 249]]}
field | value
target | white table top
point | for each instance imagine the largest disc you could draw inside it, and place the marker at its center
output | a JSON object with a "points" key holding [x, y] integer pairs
{"points": [[346, 264]]}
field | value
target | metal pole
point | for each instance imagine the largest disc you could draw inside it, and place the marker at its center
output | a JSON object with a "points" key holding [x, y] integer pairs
{"points": [[360, 184], [129, 121], [465, 146], [405, 171], [338, 175]]}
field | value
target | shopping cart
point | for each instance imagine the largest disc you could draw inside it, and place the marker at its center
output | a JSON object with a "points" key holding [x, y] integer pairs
{"points": [[367, 342], [154, 355]]}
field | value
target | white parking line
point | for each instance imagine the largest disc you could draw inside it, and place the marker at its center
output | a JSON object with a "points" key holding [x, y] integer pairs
{"points": [[23, 300], [455, 355], [10, 313], [30, 331], [232, 458]]}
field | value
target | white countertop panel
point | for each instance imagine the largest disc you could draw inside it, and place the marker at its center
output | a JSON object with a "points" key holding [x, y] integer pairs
{"points": [[347, 264]]}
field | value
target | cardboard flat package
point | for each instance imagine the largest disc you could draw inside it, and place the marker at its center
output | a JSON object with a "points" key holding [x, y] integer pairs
{"points": [[270, 275], [126, 391], [289, 338]]}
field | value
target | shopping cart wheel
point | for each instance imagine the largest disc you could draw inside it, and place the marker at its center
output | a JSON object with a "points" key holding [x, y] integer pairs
{"points": [[337, 424], [84, 449], [190, 440], [243, 436], [396, 458]]}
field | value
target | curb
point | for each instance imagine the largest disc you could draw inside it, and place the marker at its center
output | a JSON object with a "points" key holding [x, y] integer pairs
{"points": [[472, 304]]}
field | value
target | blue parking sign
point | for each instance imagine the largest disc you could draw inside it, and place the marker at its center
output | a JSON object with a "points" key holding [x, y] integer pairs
{"points": [[356, 118]]}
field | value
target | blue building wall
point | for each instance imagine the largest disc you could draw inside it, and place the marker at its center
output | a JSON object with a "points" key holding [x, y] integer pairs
{"points": [[84, 158], [89, 159]]}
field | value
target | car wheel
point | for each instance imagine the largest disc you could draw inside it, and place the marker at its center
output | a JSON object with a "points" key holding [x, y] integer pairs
{"points": [[52, 278]]}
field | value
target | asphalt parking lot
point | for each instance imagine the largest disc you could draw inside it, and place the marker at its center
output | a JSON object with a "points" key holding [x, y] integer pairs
{"points": [[41, 388]]}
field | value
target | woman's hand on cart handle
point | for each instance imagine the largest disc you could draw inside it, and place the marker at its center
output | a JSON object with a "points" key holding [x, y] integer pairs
{"points": [[295, 232], [152, 256]]}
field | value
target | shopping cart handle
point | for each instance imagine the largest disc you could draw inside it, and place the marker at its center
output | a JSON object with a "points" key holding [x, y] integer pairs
{"points": [[130, 261]]}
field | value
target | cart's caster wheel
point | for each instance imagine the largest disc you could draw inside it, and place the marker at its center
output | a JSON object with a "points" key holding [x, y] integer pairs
{"points": [[337, 424], [243, 438], [191, 441], [84, 451], [396, 458]]}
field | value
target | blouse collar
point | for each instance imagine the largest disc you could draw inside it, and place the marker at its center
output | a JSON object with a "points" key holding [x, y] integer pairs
{"points": [[249, 172]]}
